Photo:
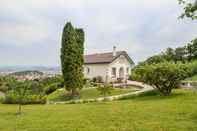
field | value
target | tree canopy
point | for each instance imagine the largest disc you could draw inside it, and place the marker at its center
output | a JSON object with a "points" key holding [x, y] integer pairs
{"points": [[190, 9]]}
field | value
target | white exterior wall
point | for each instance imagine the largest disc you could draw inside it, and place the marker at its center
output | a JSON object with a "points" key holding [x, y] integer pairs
{"points": [[105, 70], [95, 70], [121, 62]]}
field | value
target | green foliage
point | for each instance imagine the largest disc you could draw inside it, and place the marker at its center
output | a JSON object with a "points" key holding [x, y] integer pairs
{"points": [[27, 92], [183, 54], [163, 76], [52, 80], [169, 54], [193, 78], [1, 99], [180, 54], [4, 88], [6, 83], [105, 89], [14, 98], [190, 9], [192, 50], [72, 58], [97, 79], [51, 88]]}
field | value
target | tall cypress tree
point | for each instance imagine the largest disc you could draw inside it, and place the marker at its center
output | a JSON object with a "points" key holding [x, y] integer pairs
{"points": [[80, 40], [72, 58]]}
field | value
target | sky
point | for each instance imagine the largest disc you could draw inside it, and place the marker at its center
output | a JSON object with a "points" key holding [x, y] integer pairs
{"points": [[30, 30]]}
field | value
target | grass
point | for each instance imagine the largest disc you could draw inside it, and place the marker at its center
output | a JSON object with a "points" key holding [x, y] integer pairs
{"points": [[61, 95], [151, 112], [194, 78]]}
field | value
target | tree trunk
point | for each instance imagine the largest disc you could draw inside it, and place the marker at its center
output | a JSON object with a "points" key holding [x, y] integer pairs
{"points": [[74, 93], [19, 109]]}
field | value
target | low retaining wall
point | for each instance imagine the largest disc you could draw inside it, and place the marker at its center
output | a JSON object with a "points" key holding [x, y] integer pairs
{"points": [[189, 84], [100, 99]]}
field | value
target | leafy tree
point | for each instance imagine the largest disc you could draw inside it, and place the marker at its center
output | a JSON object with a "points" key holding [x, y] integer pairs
{"points": [[105, 89], [155, 59], [162, 76], [190, 9], [72, 58], [180, 54], [169, 54], [20, 90], [6, 83], [192, 50], [36, 88]]}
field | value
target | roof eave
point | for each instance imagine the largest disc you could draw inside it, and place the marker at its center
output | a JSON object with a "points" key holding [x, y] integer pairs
{"points": [[97, 63]]}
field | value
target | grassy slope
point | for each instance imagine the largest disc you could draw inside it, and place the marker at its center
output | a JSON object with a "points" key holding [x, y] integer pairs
{"points": [[147, 113], [59, 95]]}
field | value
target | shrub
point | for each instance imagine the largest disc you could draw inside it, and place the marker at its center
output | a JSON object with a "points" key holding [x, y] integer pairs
{"points": [[1, 99], [97, 79], [4, 88], [51, 88], [163, 76], [105, 89], [120, 80], [13, 98]]}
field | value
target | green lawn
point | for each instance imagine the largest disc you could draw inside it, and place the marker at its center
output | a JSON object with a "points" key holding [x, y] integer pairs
{"points": [[60, 95], [194, 78], [177, 112]]}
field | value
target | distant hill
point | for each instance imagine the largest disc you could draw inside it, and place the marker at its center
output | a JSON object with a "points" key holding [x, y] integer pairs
{"points": [[44, 69], [23, 73]]}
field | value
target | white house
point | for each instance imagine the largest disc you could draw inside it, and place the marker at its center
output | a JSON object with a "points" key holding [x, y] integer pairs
{"points": [[110, 66]]}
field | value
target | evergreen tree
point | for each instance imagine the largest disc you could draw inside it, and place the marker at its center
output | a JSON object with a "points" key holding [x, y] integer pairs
{"points": [[80, 35], [72, 58]]}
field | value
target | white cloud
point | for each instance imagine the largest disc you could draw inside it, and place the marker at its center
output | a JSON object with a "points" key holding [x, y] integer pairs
{"points": [[142, 27], [24, 33]]}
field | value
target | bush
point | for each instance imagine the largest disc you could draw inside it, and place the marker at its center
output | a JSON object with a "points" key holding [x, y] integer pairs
{"points": [[1, 99], [51, 88], [97, 79], [105, 89], [4, 88], [163, 76], [12, 98]]}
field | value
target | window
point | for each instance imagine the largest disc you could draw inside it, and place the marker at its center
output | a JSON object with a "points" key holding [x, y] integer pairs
{"points": [[88, 70], [113, 72]]}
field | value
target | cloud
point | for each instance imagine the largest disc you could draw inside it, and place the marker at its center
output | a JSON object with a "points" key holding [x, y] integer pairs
{"points": [[142, 27], [23, 33]]}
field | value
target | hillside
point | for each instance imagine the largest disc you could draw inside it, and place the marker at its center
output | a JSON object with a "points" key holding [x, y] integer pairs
{"points": [[149, 112]]}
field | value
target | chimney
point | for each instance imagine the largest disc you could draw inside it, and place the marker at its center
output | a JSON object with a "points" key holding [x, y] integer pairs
{"points": [[114, 51]]}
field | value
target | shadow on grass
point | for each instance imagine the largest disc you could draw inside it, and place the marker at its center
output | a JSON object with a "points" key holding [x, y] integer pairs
{"points": [[152, 95]]}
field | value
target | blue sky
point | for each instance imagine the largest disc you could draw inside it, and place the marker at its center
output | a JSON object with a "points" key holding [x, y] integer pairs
{"points": [[30, 30]]}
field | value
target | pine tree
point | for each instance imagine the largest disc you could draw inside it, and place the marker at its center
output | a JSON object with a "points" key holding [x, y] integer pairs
{"points": [[72, 58]]}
